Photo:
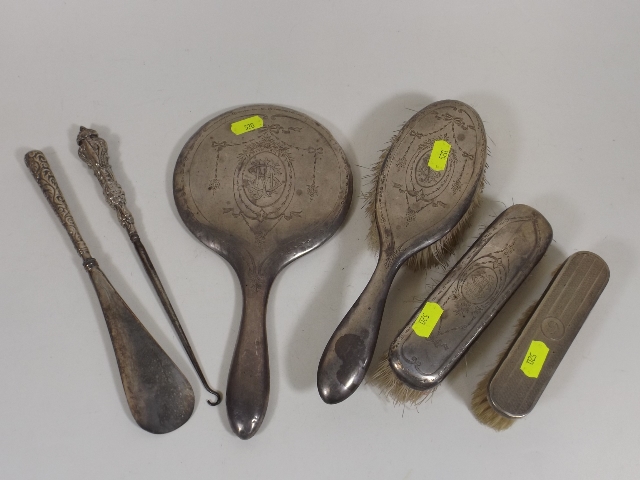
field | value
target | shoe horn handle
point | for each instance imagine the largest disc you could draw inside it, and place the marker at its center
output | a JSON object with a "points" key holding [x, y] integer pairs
{"points": [[41, 171]]}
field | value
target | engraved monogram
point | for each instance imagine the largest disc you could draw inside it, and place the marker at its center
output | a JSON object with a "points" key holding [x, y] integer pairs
{"points": [[479, 284], [552, 328], [264, 179]]}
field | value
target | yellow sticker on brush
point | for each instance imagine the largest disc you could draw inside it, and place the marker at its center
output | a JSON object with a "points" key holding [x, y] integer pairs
{"points": [[439, 155], [534, 359], [247, 125], [427, 320]]}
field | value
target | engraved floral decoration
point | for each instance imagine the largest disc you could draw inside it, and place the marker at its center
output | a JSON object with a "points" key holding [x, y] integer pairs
{"points": [[214, 183], [312, 189], [39, 167]]}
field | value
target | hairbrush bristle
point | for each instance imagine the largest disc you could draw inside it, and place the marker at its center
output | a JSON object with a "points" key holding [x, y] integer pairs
{"points": [[482, 409], [436, 254], [394, 388], [370, 197], [557, 269], [480, 405]]}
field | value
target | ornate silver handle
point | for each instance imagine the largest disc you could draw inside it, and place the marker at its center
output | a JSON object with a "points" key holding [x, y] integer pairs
{"points": [[94, 152], [39, 168]]}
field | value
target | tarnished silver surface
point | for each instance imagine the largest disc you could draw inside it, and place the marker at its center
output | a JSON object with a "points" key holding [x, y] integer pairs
{"points": [[159, 396], [415, 207], [471, 294], [94, 151], [260, 199], [556, 321]]}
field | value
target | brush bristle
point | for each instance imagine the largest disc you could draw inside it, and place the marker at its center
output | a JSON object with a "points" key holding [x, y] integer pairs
{"points": [[480, 406], [482, 409], [369, 197], [557, 269], [394, 388], [436, 254]]}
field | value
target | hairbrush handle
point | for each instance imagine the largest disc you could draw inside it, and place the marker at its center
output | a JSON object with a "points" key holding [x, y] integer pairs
{"points": [[41, 171], [348, 354]]}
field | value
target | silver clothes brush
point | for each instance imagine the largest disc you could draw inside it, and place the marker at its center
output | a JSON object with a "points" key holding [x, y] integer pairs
{"points": [[511, 390], [463, 304]]}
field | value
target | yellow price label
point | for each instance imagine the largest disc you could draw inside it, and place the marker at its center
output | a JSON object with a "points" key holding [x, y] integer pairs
{"points": [[247, 125], [534, 359], [427, 320], [439, 155]]}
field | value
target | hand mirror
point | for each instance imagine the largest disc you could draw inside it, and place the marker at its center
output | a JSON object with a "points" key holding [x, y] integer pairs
{"points": [[260, 185]]}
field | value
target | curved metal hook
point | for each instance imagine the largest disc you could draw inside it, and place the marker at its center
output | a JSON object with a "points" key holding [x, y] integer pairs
{"points": [[218, 396], [202, 378]]}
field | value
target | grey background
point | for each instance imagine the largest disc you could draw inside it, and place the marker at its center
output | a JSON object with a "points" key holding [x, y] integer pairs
{"points": [[556, 85]]}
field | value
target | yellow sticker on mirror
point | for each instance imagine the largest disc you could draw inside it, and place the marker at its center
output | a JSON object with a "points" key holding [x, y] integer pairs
{"points": [[439, 155], [247, 125], [534, 359], [427, 320]]}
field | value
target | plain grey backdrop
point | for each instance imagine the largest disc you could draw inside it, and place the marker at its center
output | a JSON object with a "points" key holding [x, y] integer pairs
{"points": [[556, 83]]}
